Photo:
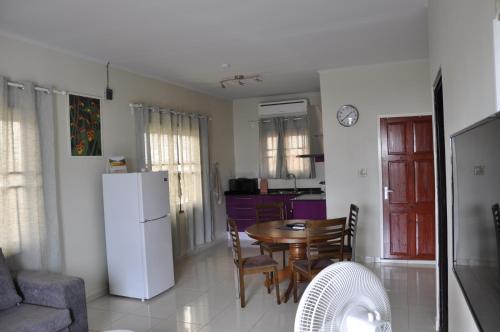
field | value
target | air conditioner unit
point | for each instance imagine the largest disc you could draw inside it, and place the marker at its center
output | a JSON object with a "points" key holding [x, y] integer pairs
{"points": [[283, 108]]}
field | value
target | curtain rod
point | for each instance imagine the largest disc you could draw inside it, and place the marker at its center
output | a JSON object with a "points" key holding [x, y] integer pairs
{"points": [[48, 91], [133, 107]]}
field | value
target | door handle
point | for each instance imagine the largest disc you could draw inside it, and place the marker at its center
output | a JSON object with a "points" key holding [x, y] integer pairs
{"points": [[386, 192]]}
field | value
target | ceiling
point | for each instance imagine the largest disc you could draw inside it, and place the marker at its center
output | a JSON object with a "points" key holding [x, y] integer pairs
{"points": [[186, 41]]}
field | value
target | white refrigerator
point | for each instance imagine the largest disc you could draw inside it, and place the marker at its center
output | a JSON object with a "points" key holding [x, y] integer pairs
{"points": [[138, 234]]}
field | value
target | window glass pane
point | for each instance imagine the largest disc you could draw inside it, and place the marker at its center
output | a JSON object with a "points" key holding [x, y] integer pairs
{"points": [[282, 140]]}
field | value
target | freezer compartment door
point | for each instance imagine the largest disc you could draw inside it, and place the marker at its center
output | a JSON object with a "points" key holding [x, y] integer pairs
{"points": [[154, 195], [159, 264]]}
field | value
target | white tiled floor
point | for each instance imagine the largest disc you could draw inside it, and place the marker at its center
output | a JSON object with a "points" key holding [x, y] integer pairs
{"points": [[204, 300]]}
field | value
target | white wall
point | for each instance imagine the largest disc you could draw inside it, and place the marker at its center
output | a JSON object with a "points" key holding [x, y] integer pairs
{"points": [[80, 178], [246, 138], [461, 44], [385, 89]]}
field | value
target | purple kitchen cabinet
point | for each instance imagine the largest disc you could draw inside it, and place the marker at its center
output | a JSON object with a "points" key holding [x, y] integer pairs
{"points": [[285, 199], [241, 208], [309, 209]]}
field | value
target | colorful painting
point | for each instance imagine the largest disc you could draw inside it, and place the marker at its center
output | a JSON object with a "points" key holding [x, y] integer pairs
{"points": [[85, 126]]}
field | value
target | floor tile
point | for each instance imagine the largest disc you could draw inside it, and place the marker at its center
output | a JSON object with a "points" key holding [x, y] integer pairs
{"points": [[101, 319], [161, 310], [210, 328], [204, 299], [275, 320], [116, 304], [135, 323], [195, 314], [238, 319], [174, 326]]}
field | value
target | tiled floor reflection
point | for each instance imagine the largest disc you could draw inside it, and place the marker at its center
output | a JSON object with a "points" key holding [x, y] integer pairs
{"points": [[204, 300]]}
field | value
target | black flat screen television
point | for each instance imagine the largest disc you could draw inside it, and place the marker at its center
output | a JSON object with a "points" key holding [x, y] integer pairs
{"points": [[476, 246]]}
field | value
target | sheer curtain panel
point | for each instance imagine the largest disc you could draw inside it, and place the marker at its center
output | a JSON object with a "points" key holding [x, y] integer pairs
{"points": [[282, 139], [29, 229], [173, 142]]}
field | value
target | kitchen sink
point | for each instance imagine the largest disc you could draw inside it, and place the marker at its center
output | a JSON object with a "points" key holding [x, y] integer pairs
{"points": [[292, 192]]}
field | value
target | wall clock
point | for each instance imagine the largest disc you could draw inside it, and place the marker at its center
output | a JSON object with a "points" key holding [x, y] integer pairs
{"points": [[348, 115]]}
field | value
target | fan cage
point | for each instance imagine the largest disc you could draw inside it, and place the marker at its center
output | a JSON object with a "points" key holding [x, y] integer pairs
{"points": [[334, 291]]}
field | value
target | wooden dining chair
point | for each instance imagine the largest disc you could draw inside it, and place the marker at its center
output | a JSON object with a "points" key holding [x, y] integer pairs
{"points": [[271, 212], [252, 265], [324, 244], [496, 220], [350, 233]]}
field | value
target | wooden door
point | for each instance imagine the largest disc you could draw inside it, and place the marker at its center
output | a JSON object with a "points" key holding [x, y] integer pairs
{"points": [[408, 187]]}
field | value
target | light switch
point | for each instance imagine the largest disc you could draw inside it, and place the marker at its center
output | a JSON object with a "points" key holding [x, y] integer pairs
{"points": [[362, 172], [479, 170]]}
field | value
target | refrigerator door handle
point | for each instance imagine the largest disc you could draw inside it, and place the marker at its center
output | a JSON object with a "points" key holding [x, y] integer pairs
{"points": [[148, 220]]}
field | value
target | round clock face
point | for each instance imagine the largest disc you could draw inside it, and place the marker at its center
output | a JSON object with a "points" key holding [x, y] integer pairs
{"points": [[348, 115]]}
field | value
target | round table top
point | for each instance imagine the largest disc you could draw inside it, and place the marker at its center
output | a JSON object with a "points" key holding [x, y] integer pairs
{"points": [[272, 232]]}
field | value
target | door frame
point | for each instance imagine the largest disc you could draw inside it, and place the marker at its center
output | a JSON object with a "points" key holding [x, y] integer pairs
{"points": [[380, 186], [441, 210]]}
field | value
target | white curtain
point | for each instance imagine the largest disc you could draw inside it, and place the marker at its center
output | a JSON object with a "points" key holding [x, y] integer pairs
{"points": [[282, 139], [172, 142], [29, 227]]}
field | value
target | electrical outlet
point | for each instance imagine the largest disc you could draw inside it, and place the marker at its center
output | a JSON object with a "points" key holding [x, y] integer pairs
{"points": [[479, 170], [362, 172]]}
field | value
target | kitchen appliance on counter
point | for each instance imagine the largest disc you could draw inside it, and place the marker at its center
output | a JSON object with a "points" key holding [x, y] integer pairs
{"points": [[264, 186], [138, 234], [243, 186]]}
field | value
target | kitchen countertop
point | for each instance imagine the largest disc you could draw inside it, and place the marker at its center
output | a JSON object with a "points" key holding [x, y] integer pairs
{"points": [[302, 194], [282, 191], [310, 197]]}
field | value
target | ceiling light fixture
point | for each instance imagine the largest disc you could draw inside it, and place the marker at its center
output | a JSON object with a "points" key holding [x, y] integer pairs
{"points": [[240, 79]]}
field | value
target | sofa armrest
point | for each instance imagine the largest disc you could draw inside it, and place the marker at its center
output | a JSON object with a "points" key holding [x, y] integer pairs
{"points": [[57, 291]]}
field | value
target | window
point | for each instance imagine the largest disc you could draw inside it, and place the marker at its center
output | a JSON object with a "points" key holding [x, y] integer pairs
{"points": [[271, 152], [281, 141], [174, 146], [29, 227], [22, 219], [13, 190], [174, 153]]}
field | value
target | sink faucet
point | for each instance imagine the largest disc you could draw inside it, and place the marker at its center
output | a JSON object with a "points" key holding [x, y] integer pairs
{"points": [[292, 176]]}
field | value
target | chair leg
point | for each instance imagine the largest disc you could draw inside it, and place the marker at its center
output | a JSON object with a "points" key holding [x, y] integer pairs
{"points": [[295, 276], [268, 282], [237, 282], [284, 258], [277, 285], [242, 289], [261, 250]]}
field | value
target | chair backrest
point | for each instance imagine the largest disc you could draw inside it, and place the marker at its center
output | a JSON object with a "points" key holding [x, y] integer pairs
{"points": [[269, 212], [235, 240], [352, 223], [496, 219], [325, 239]]}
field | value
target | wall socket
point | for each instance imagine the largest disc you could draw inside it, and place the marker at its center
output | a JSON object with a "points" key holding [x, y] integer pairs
{"points": [[479, 170], [362, 172]]}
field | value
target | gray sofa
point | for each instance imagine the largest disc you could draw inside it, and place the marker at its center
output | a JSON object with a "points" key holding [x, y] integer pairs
{"points": [[41, 302]]}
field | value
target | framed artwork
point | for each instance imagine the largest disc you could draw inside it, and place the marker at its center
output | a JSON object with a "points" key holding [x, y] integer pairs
{"points": [[85, 126]]}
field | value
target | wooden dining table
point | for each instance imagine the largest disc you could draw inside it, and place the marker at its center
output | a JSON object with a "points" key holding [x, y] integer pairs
{"points": [[278, 232]]}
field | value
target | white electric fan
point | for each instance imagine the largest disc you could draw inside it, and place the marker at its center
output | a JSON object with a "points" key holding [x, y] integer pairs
{"points": [[344, 297]]}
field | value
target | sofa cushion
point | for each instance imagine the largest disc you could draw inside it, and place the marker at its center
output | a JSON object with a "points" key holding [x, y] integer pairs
{"points": [[33, 318], [8, 294]]}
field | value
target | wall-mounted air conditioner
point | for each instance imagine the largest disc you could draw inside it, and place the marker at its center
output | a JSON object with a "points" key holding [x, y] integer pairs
{"points": [[283, 108]]}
